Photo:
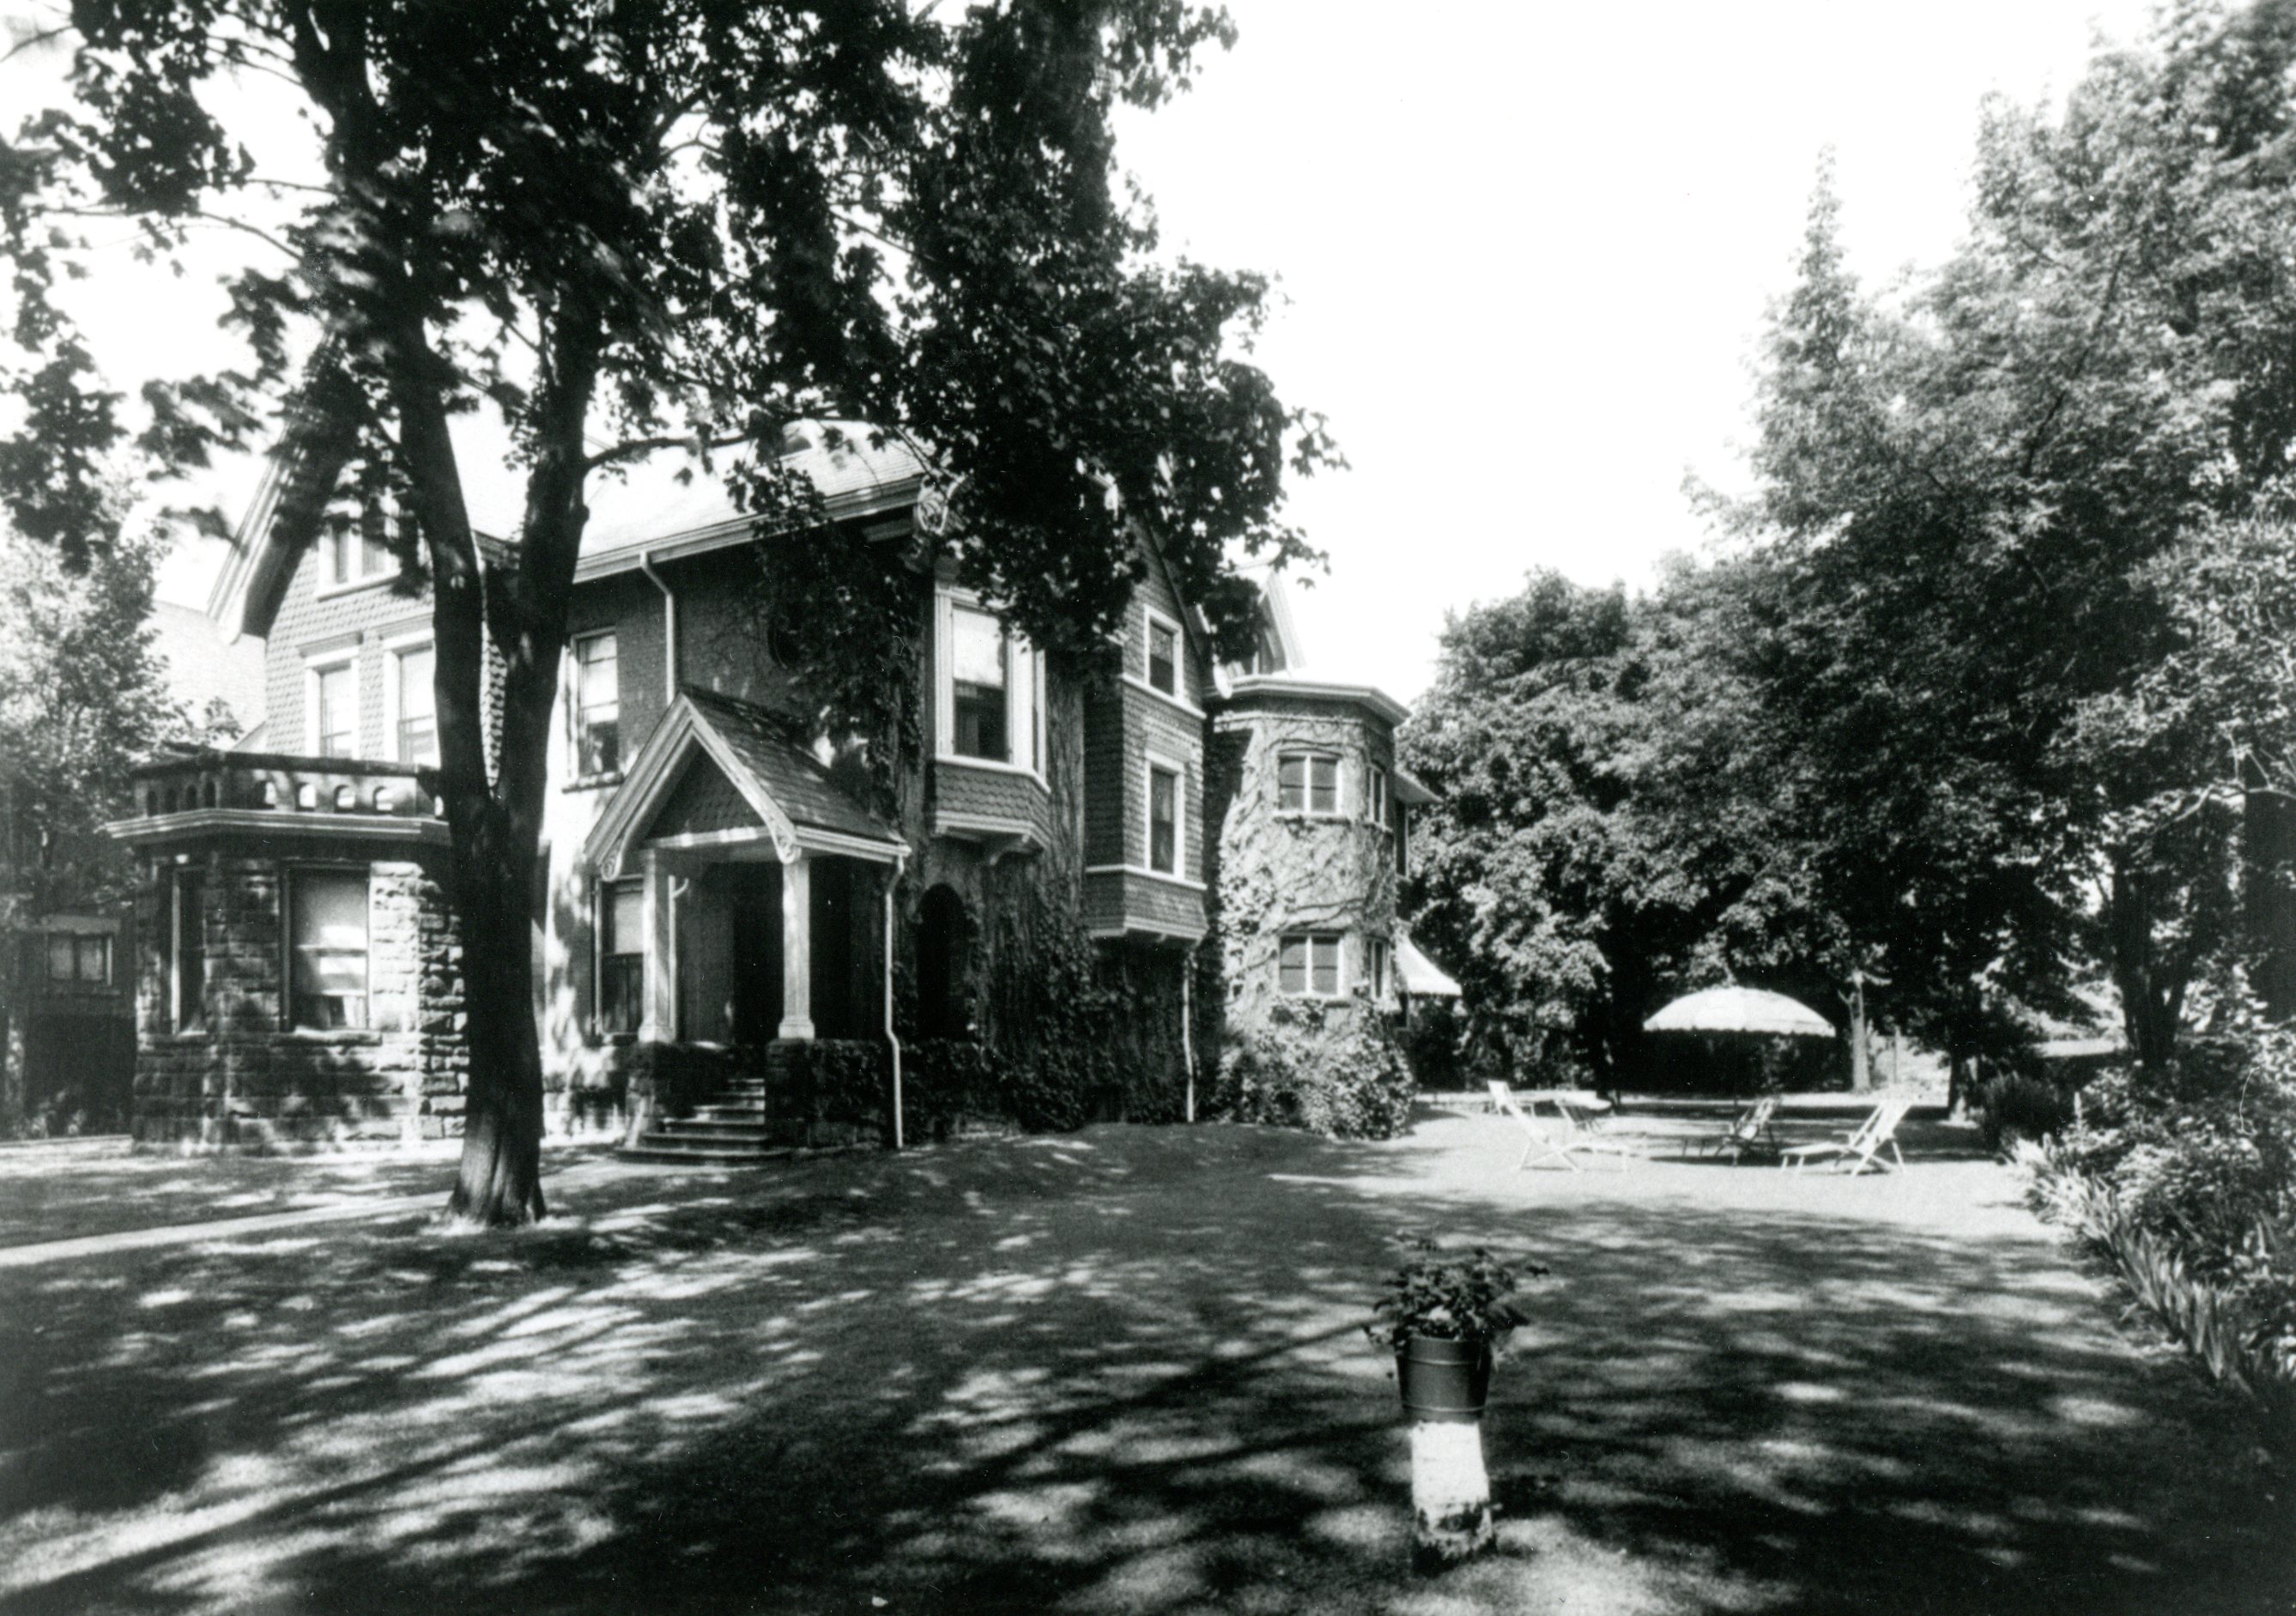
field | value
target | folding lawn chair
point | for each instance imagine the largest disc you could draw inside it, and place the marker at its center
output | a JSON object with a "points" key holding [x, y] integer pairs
{"points": [[1575, 1136], [1750, 1129], [1859, 1149]]}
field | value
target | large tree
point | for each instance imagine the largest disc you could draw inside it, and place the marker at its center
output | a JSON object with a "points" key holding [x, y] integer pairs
{"points": [[627, 226], [1968, 488], [1609, 831]]}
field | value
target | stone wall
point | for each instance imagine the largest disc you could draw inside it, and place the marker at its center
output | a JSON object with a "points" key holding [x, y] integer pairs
{"points": [[247, 1080]]}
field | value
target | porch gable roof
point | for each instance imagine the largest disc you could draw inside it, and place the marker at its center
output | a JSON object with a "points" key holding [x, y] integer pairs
{"points": [[799, 807]]}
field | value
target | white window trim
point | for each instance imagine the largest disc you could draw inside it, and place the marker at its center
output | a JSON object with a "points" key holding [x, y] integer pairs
{"points": [[1155, 620], [1178, 770], [1024, 693], [399, 645], [1339, 941], [602, 899], [328, 589], [1378, 975], [1340, 799], [570, 683], [1379, 791], [316, 663]]}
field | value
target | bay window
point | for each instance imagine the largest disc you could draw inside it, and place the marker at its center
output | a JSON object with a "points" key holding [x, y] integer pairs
{"points": [[1308, 782], [327, 939], [1307, 964]]}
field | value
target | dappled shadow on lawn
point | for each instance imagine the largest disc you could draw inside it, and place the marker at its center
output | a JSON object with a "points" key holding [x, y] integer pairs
{"points": [[1118, 1371]]}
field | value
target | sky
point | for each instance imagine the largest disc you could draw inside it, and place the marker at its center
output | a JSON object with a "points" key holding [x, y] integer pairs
{"points": [[1524, 252]]}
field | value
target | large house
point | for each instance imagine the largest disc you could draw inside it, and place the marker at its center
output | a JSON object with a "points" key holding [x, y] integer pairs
{"points": [[726, 903]]}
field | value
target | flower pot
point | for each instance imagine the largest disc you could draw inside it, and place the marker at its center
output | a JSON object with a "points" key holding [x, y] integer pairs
{"points": [[1444, 1381]]}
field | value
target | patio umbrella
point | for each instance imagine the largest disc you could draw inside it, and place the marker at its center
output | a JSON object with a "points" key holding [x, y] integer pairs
{"points": [[1741, 1010]]}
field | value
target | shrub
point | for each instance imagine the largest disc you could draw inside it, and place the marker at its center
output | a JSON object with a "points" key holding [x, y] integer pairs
{"points": [[1458, 1298], [1332, 1069], [2016, 1107]]}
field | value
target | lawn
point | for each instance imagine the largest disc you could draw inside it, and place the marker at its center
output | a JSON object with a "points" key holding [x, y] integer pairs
{"points": [[1120, 1371]]}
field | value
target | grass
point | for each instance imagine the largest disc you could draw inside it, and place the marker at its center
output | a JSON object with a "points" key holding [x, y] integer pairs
{"points": [[1120, 1371]]}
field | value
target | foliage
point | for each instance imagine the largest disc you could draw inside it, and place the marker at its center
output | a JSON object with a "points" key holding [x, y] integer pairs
{"points": [[1434, 1045], [1053, 1022], [847, 1081], [1452, 1299], [2016, 1107], [616, 231], [947, 1082], [1332, 1069], [1969, 493], [1606, 833], [83, 700]]}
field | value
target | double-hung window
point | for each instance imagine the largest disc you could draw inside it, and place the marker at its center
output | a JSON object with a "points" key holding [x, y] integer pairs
{"points": [[1307, 962], [992, 689], [980, 675], [334, 710], [1163, 657], [1308, 782], [1163, 818], [597, 705], [415, 705], [327, 932], [621, 957], [1375, 965], [1375, 797]]}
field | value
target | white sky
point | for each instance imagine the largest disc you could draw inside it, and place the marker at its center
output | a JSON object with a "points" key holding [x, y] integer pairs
{"points": [[1527, 250]]}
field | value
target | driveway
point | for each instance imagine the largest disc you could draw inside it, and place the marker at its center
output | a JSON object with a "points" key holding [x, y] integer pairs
{"points": [[1120, 1371]]}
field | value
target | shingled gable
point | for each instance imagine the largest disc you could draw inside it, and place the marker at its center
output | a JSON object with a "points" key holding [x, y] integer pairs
{"points": [[798, 806]]}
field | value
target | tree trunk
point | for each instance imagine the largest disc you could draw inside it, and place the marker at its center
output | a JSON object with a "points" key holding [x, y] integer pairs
{"points": [[500, 1179]]}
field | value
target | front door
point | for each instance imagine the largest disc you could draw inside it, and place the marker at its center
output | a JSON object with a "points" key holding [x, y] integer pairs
{"points": [[756, 895]]}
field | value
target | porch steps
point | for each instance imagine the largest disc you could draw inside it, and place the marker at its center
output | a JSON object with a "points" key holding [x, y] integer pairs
{"points": [[728, 1131]]}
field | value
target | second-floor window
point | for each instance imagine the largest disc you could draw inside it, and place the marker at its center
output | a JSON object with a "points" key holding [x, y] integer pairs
{"points": [[334, 707], [621, 957], [597, 705], [326, 934], [1376, 798], [980, 673], [1163, 657], [417, 739], [1308, 782], [1307, 962], [1163, 819]]}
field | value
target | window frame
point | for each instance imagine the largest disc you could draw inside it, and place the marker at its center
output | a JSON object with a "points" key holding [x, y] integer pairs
{"points": [[316, 666], [1150, 766], [290, 892], [577, 727], [603, 896], [1157, 620], [1310, 941], [1025, 736], [395, 652], [186, 1009], [1378, 793], [371, 560], [1378, 959], [1309, 757]]}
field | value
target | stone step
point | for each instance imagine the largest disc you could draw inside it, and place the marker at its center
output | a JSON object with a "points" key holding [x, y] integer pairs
{"points": [[724, 1133], [727, 1114], [700, 1153]]}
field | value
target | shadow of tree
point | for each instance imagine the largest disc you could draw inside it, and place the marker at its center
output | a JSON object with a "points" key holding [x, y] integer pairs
{"points": [[1117, 1370]]}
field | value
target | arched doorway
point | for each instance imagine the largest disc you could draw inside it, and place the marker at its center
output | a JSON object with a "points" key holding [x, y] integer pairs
{"points": [[943, 961]]}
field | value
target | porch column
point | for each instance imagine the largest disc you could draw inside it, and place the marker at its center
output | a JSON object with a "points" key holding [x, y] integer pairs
{"points": [[796, 948], [660, 1022]]}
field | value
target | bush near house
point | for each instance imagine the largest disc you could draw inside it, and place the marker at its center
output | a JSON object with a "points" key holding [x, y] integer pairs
{"points": [[1332, 1069]]}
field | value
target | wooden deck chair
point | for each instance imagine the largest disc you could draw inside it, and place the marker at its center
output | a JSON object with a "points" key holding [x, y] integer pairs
{"points": [[1572, 1137], [1859, 1149], [1751, 1129]]}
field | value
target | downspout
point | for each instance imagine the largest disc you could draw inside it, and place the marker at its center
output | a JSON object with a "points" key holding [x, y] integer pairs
{"points": [[669, 630], [1187, 1025], [892, 1038]]}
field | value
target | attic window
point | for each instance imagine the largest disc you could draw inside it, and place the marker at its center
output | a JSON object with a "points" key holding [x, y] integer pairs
{"points": [[355, 554]]}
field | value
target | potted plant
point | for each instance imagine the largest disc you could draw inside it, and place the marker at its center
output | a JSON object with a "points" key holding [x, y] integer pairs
{"points": [[1442, 1315]]}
